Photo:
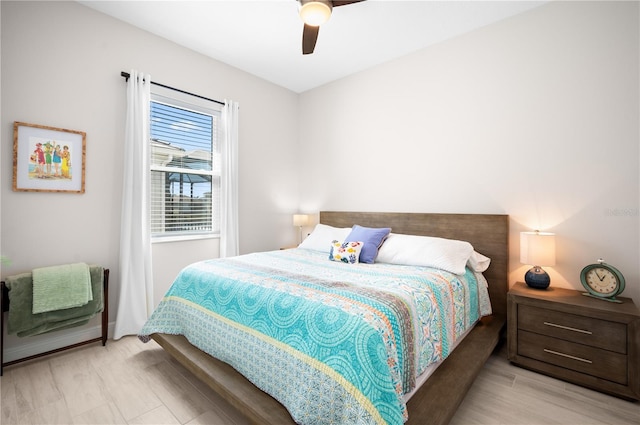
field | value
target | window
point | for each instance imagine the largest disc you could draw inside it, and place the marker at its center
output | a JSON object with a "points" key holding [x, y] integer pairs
{"points": [[185, 168]]}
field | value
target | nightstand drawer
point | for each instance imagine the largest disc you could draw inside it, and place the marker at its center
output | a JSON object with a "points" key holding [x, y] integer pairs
{"points": [[580, 358], [603, 334], [564, 334]]}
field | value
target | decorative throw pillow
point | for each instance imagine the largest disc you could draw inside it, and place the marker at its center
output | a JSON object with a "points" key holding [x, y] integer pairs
{"points": [[345, 252], [372, 238]]}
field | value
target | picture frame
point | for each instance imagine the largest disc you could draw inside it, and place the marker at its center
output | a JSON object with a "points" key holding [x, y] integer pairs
{"points": [[48, 159]]}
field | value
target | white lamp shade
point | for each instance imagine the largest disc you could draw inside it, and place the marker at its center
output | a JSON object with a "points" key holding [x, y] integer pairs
{"points": [[300, 220], [315, 13], [538, 248]]}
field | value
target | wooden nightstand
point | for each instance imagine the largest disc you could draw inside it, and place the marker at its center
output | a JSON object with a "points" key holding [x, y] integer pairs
{"points": [[589, 342]]}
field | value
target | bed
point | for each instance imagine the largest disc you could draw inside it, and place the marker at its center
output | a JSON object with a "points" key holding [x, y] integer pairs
{"points": [[436, 400]]}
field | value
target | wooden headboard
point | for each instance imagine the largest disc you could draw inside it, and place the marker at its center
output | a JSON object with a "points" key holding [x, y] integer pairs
{"points": [[488, 233]]}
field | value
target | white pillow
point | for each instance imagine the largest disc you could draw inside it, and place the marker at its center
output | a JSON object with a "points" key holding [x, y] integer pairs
{"points": [[478, 262], [446, 254], [322, 236]]}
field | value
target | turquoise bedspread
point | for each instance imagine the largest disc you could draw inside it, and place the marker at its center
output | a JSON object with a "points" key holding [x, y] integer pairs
{"points": [[333, 342]]}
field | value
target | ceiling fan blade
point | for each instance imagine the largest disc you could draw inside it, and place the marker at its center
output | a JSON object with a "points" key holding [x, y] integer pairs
{"points": [[310, 33], [309, 38], [337, 3]]}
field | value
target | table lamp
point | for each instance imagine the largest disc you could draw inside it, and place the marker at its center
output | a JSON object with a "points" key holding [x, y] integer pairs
{"points": [[300, 220], [537, 249]]}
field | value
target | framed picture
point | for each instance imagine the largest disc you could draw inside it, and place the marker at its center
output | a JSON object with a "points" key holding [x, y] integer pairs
{"points": [[48, 159]]}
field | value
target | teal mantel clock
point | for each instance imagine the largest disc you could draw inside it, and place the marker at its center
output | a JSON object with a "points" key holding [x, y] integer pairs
{"points": [[602, 281]]}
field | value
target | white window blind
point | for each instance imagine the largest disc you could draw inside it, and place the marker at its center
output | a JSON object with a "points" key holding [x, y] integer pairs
{"points": [[185, 168]]}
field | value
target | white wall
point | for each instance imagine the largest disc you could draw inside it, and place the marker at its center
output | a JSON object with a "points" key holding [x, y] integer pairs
{"points": [[61, 64], [453, 128], [535, 116]]}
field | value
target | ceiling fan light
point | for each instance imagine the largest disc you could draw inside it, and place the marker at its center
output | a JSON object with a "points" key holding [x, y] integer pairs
{"points": [[315, 13]]}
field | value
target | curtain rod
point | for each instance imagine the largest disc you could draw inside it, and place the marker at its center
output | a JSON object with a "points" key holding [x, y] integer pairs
{"points": [[126, 76]]}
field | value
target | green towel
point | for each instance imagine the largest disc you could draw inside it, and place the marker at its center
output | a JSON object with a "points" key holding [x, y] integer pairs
{"points": [[23, 323], [61, 287]]}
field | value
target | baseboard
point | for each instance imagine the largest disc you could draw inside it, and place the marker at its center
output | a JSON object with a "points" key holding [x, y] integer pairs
{"points": [[29, 346]]}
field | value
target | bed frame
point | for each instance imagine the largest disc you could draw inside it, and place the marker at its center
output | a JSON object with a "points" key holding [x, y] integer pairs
{"points": [[438, 399]]}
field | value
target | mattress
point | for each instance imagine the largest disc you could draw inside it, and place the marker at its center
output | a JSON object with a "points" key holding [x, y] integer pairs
{"points": [[333, 342]]}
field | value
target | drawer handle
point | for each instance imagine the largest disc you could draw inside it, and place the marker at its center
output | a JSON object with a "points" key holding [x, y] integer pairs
{"points": [[568, 356], [555, 325]]}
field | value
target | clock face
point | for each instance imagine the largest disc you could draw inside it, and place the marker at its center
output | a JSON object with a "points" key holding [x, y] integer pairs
{"points": [[602, 281]]}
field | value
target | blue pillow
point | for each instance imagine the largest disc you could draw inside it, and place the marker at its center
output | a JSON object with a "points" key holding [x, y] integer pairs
{"points": [[372, 239]]}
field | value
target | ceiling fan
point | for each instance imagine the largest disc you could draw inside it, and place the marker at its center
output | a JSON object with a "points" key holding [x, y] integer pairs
{"points": [[315, 13]]}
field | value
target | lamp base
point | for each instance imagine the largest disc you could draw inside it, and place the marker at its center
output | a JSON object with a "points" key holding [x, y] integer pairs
{"points": [[537, 278]]}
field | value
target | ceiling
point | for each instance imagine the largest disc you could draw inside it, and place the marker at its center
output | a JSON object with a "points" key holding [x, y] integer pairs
{"points": [[264, 37]]}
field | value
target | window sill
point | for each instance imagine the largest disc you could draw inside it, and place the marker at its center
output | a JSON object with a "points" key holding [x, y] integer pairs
{"points": [[182, 238]]}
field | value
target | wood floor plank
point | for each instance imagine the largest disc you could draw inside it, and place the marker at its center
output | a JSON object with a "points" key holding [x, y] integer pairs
{"points": [[82, 387], [35, 387], [183, 400], [129, 390], [8, 410], [158, 416], [136, 383], [105, 414]]}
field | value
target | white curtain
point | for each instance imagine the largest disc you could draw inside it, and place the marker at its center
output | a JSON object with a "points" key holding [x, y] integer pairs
{"points": [[136, 280], [229, 244]]}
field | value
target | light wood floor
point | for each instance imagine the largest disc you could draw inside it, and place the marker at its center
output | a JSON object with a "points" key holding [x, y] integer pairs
{"points": [[128, 382]]}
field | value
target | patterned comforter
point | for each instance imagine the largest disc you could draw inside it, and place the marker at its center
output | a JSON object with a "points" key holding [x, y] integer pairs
{"points": [[333, 342]]}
